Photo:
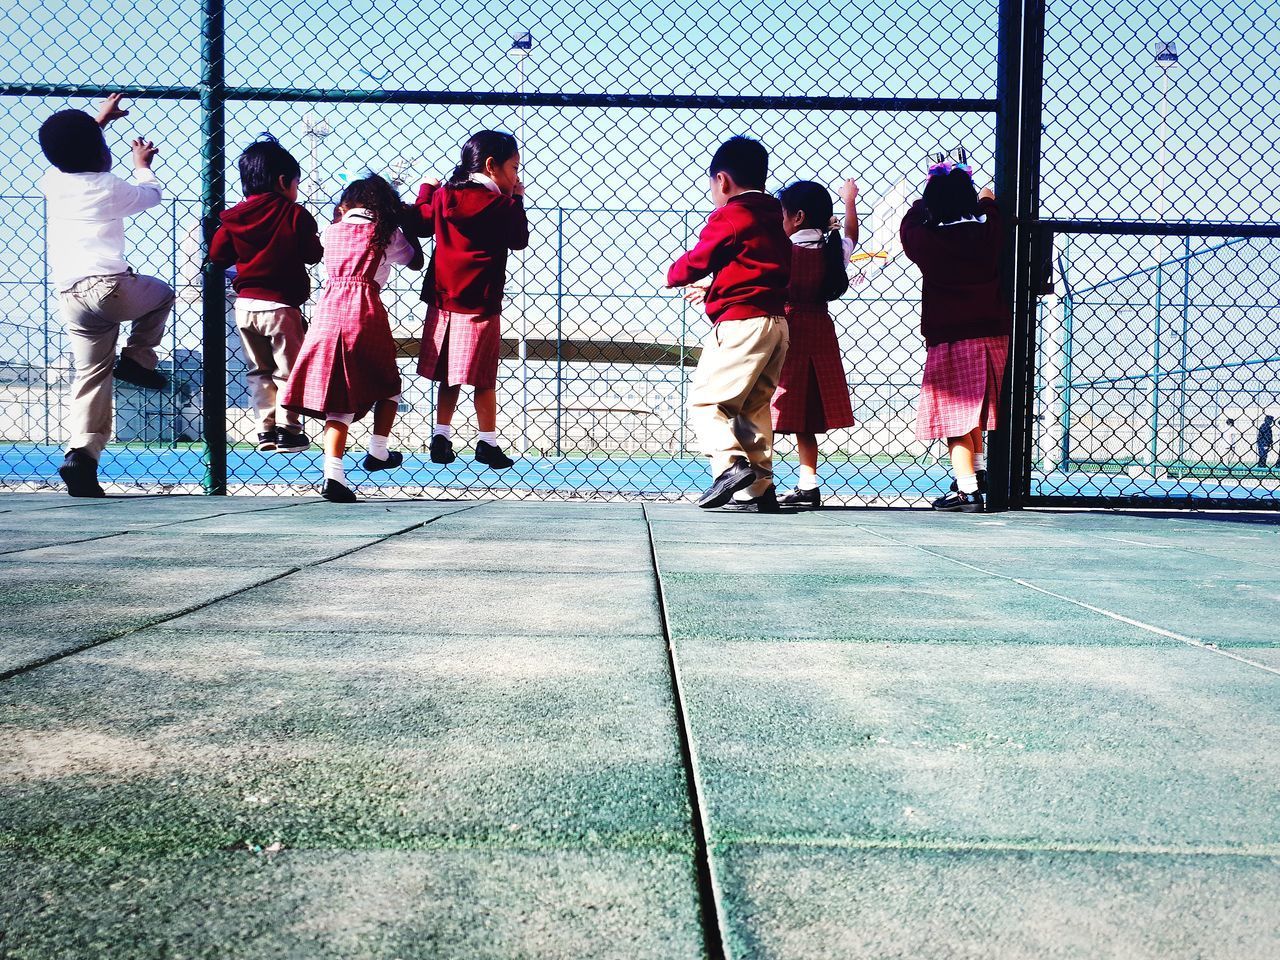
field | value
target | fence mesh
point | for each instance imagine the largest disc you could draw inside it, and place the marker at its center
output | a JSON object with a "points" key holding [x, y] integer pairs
{"points": [[597, 357]]}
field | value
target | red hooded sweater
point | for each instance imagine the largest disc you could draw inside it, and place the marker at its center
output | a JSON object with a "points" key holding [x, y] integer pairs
{"points": [[474, 228], [960, 263], [744, 245], [270, 239]]}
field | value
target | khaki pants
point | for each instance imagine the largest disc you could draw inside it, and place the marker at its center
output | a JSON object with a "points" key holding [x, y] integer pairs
{"points": [[271, 339], [732, 388], [94, 310]]}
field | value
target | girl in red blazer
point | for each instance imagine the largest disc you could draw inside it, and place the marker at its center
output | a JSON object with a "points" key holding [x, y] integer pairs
{"points": [[955, 236], [476, 218]]}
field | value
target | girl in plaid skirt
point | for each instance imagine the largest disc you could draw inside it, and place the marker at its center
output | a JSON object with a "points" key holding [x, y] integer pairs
{"points": [[813, 395], [347, 365], [476, 218], [955, 236]]}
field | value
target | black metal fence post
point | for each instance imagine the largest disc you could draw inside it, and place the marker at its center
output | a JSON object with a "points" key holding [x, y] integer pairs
{"points": [[214, 291]]}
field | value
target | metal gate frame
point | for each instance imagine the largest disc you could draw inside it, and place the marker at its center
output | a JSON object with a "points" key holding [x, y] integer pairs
{"points": [[1010, 453]]}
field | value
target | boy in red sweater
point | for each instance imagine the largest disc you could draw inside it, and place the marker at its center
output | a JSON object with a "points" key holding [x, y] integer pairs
{"points": [[270, 238], [745, 251]]}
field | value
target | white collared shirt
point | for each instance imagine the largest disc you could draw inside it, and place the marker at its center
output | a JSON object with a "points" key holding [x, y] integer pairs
{"points": [[86, 214], [399, 251], [485, 181], [815, 238]]}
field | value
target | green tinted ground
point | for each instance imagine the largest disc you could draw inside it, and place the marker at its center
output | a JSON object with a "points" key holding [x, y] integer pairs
{"points": [[279, 728]]}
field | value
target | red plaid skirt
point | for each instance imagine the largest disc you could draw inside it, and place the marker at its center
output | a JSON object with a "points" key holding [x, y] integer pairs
{"points": [[812, 394], [461, 348], [961, 387], [348, 358]]}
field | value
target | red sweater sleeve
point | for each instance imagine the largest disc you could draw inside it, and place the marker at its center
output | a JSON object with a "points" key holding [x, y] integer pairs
{"points": [[519, 225], [914, 233], [712, 251], [419, 219], [222, 252], [309, 246]]}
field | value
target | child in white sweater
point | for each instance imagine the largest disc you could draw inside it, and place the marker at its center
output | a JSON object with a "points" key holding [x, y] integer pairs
{"points": [[99, 293]]}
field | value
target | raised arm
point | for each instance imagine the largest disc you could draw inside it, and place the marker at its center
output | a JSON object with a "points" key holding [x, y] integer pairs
{"points": [[849, 194], [708, 255]]}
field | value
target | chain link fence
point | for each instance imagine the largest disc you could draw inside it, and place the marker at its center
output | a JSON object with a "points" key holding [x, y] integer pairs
{"points": [[617, 108]]}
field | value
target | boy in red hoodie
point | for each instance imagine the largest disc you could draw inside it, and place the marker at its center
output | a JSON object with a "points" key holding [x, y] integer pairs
{"points": [[748, 256], [270, 238]]}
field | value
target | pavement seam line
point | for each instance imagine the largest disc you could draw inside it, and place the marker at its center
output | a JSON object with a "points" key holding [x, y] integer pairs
{"points": [[710, 898], [157, 526], [1151, 628], [1266, 851], [120, 635]]}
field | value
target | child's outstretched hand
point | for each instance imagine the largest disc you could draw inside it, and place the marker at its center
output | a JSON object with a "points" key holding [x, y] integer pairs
{"points": [[849, 190], [987, 194], [696, 293], [143, 152], [111, 110]]}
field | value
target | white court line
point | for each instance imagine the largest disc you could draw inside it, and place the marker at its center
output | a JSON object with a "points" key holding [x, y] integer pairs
{"points": [[1152, 628]]}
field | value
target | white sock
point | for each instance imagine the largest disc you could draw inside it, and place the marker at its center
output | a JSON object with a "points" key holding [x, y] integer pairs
{"points": [[333, 470], [967, 484], [378, 447], [808, 479], [443, 430], [979, 461], [489, 437]]}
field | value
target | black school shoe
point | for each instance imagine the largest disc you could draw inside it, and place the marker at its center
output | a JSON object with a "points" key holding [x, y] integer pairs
{"points": [[492, 456], [737, 476], [373, 464], [288, 441], [803, 499], [79, 471], [957, 502], [442, 449], [336, 492], [982, 483], [266, 441], [767, 502], [130, 371]]}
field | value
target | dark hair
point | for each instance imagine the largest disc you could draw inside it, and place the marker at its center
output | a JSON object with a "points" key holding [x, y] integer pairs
{"points": [[484, 145], [263, 164], [73, 142], [380, 198], [814, 201], [949, 198], [746, 161]]}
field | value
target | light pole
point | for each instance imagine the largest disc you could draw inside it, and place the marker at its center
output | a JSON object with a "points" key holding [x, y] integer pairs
{"points": [[1166, 57], [520, 50], [315, 131]]}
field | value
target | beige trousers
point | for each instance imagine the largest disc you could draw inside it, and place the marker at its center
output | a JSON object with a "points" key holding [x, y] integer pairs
{"points": [[732, 388], [271, 339], [94, 310]]}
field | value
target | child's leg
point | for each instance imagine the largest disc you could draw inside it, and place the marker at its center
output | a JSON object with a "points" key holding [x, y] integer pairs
{"points": [[755, 424], [336, 426], [446, 404], [287, 334], [961, 449], [979, 456], [807, 447], [258, 355], [487, 410], [384, 415], [93, 346], [147, 301]]}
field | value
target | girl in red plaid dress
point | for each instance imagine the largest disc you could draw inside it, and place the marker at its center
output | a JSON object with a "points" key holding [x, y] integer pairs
{"points": [[955, 236], [813, 395], [347, 365], [476, 218]]}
